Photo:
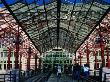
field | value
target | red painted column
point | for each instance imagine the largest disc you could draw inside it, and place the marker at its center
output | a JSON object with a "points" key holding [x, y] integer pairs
{"points": [[102, 53], [109, 63], [88, 52], [28, 59], [102, 48], [17, 53], [108, 60], [9, 55]]}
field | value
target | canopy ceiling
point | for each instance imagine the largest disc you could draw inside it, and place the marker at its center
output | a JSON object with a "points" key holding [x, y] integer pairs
{"points": [[57, 23]]}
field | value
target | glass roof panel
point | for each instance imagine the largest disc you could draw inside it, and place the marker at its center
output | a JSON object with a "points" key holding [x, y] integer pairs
{"points": [[83, 14], [49, 23]]}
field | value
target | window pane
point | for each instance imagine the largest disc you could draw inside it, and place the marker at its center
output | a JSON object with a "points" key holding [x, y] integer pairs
{"points": [[1, 54], [11, 54], [4, 66], [99, 53], [10, 61], [67, 61], [5, 54], [10, 65], [70, 61], [4, 61]]}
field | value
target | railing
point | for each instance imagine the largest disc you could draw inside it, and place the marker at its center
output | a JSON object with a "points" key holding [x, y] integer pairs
{"points": [[107, 77], [92, 80], [18, 76], [94, 72], [27, 74], [7, 78]]}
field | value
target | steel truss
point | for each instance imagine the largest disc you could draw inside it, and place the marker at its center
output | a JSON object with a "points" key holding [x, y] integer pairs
{"points": [[38, 19]]}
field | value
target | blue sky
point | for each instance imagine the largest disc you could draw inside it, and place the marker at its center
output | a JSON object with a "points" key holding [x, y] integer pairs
{"points": [[40, 2]]}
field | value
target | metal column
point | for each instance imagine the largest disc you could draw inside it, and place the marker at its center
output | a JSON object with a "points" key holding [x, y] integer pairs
{"points": [[102, 51], [17, 52], [88, 52], [108, 60]]}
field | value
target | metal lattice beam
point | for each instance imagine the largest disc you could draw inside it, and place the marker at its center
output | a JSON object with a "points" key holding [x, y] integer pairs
{"points": [[38, 20]]}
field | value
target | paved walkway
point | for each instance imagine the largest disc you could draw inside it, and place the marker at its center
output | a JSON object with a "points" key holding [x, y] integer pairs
{"points": [[34, 78], [31, 79], [64, 78]]}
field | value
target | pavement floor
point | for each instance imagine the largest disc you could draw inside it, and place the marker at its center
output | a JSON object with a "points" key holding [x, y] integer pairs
{"points": [[64, 78]]}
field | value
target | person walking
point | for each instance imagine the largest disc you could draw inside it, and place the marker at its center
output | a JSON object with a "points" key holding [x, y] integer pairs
{"points": [[58, 73], [86, 71], [82, 73], [76, 72]]}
